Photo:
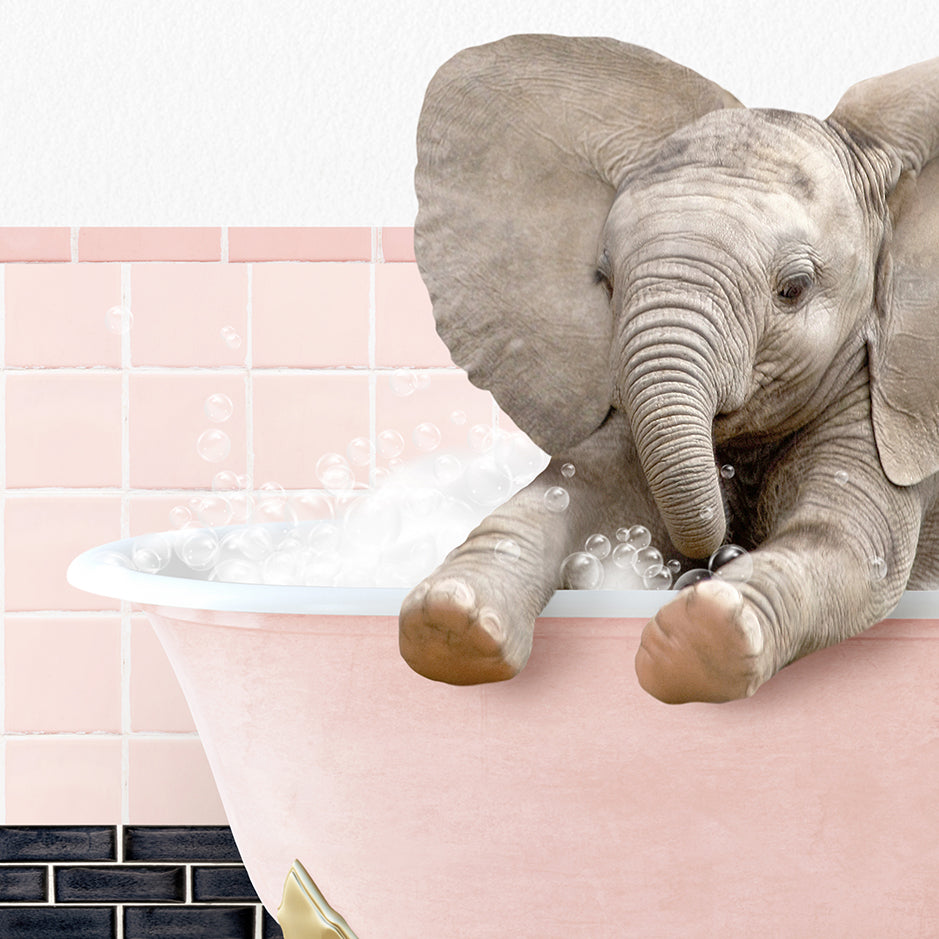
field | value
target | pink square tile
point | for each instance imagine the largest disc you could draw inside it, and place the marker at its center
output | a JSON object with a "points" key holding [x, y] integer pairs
{"points": [[298, 418], [170, 783], [397, 244], [63, 781], [63, 429], [63, 674], [310, 314], [300, 244], [447, 400], [55, 314], [404, 321], [35, 244], [42, 535], [156, 701], [150, 244], [181, 310], [167, 420]]}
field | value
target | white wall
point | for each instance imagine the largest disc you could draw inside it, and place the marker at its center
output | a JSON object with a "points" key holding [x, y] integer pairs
{"points": [[303, 113]]}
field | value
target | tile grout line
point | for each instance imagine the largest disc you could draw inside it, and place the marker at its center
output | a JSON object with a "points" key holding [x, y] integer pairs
{"points": [[249, 379], [3, 489], [73, 244], [372, 375], [126, 304]]}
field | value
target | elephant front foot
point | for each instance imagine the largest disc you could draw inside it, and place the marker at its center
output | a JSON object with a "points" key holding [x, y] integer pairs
{"points": [[705, 645], [447, 634]]}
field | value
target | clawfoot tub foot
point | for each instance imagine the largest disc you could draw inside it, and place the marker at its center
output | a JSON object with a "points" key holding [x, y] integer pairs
{"points": [[705, 645], [304, 913], [446, 633]]}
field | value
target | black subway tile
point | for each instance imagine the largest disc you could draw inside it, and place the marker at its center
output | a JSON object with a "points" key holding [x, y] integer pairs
{"points": [[23, 884], [177, 843], [120, 884], [56, 922], [58, 843], [270, 928], [188, 922], [222, 883]]}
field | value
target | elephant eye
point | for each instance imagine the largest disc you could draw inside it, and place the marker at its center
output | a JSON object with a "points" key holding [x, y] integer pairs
{"points": [[792, 289]]}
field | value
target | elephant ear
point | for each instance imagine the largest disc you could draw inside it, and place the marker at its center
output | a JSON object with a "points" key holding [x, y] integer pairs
{"points": [[521, 146], [894, 120]]}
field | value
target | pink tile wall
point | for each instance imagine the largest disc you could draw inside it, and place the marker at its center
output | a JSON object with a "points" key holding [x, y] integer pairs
{"points": [[303, 330]]}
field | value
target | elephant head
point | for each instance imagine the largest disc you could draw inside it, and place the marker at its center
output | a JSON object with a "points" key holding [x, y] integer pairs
{"points": [[601, 228]]}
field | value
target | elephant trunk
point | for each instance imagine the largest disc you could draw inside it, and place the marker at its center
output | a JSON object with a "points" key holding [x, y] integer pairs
{"points": [[670, 396]]}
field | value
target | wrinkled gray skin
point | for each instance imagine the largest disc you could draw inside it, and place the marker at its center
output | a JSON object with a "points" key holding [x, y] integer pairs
{"points": [[653, 281]]}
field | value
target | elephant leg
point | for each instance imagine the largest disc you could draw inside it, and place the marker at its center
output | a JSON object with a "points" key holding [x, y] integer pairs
{"points": [[835, 555], [472, 620]]}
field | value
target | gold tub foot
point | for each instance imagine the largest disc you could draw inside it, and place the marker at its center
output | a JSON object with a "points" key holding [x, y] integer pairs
{"points": [[304, 913]]}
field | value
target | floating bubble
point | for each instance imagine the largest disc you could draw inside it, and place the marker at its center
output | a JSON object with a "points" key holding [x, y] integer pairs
{"points": [[480, 438], [236, 571], [230, 337], [727, 471], [274, 508], [458, 418], [218, 408], [568, 470], [674, 565], [878, 568], [636, 536], [523, 459], [312, 505], [324, 538], [151, 553], [447, 469], [489, 482], [422, 380], [334, 472], [119, 320], [212, 510], [623, 556], [252, 542], [706, 513], [199, 549], [403, 382], [228, 481], [180, 516], [657, 578], [242, 505], [390, 444], [743, 563], [581, 571], [284, 567], [841, 477], [647, 559], [598, 545], [213, 445], [692, 577], [426, 437], [556, 499], [359, 451], [507, 552]]}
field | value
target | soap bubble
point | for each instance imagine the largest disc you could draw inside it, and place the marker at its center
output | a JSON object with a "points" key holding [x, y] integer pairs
{"points": [[151, 553], [507, 552], [116, 559], [556, 499], [520, 456], [727, 471], [426, 437], [230, 337], [646, 559], [236, 571], [334, 472], [692, 577], [878, 568], [212, 510], [706, 513], [403, 382], [674, 565], [218, 408], [841, 477], [636, 536], [657, 578], [489, 482], [623, 556], [480, 438], [227, 481], [253, 543], [180, 516], [199, 549], [568, 470], [447, 469], [598, 545], [269, 507], [213, 445], [359, 451], [119, 320], [743, 566], [312, 504], [458, 417], [390, 444], [581, 571]]}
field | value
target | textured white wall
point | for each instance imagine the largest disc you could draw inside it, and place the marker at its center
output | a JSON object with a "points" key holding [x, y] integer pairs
{"points": [[303, 113]]}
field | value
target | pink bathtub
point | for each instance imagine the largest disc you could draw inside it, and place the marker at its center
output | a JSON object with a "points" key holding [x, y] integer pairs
{"points": [[565, 802]]}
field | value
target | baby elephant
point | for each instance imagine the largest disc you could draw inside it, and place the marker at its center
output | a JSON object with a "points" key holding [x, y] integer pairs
{"points": [[655, 281]]}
